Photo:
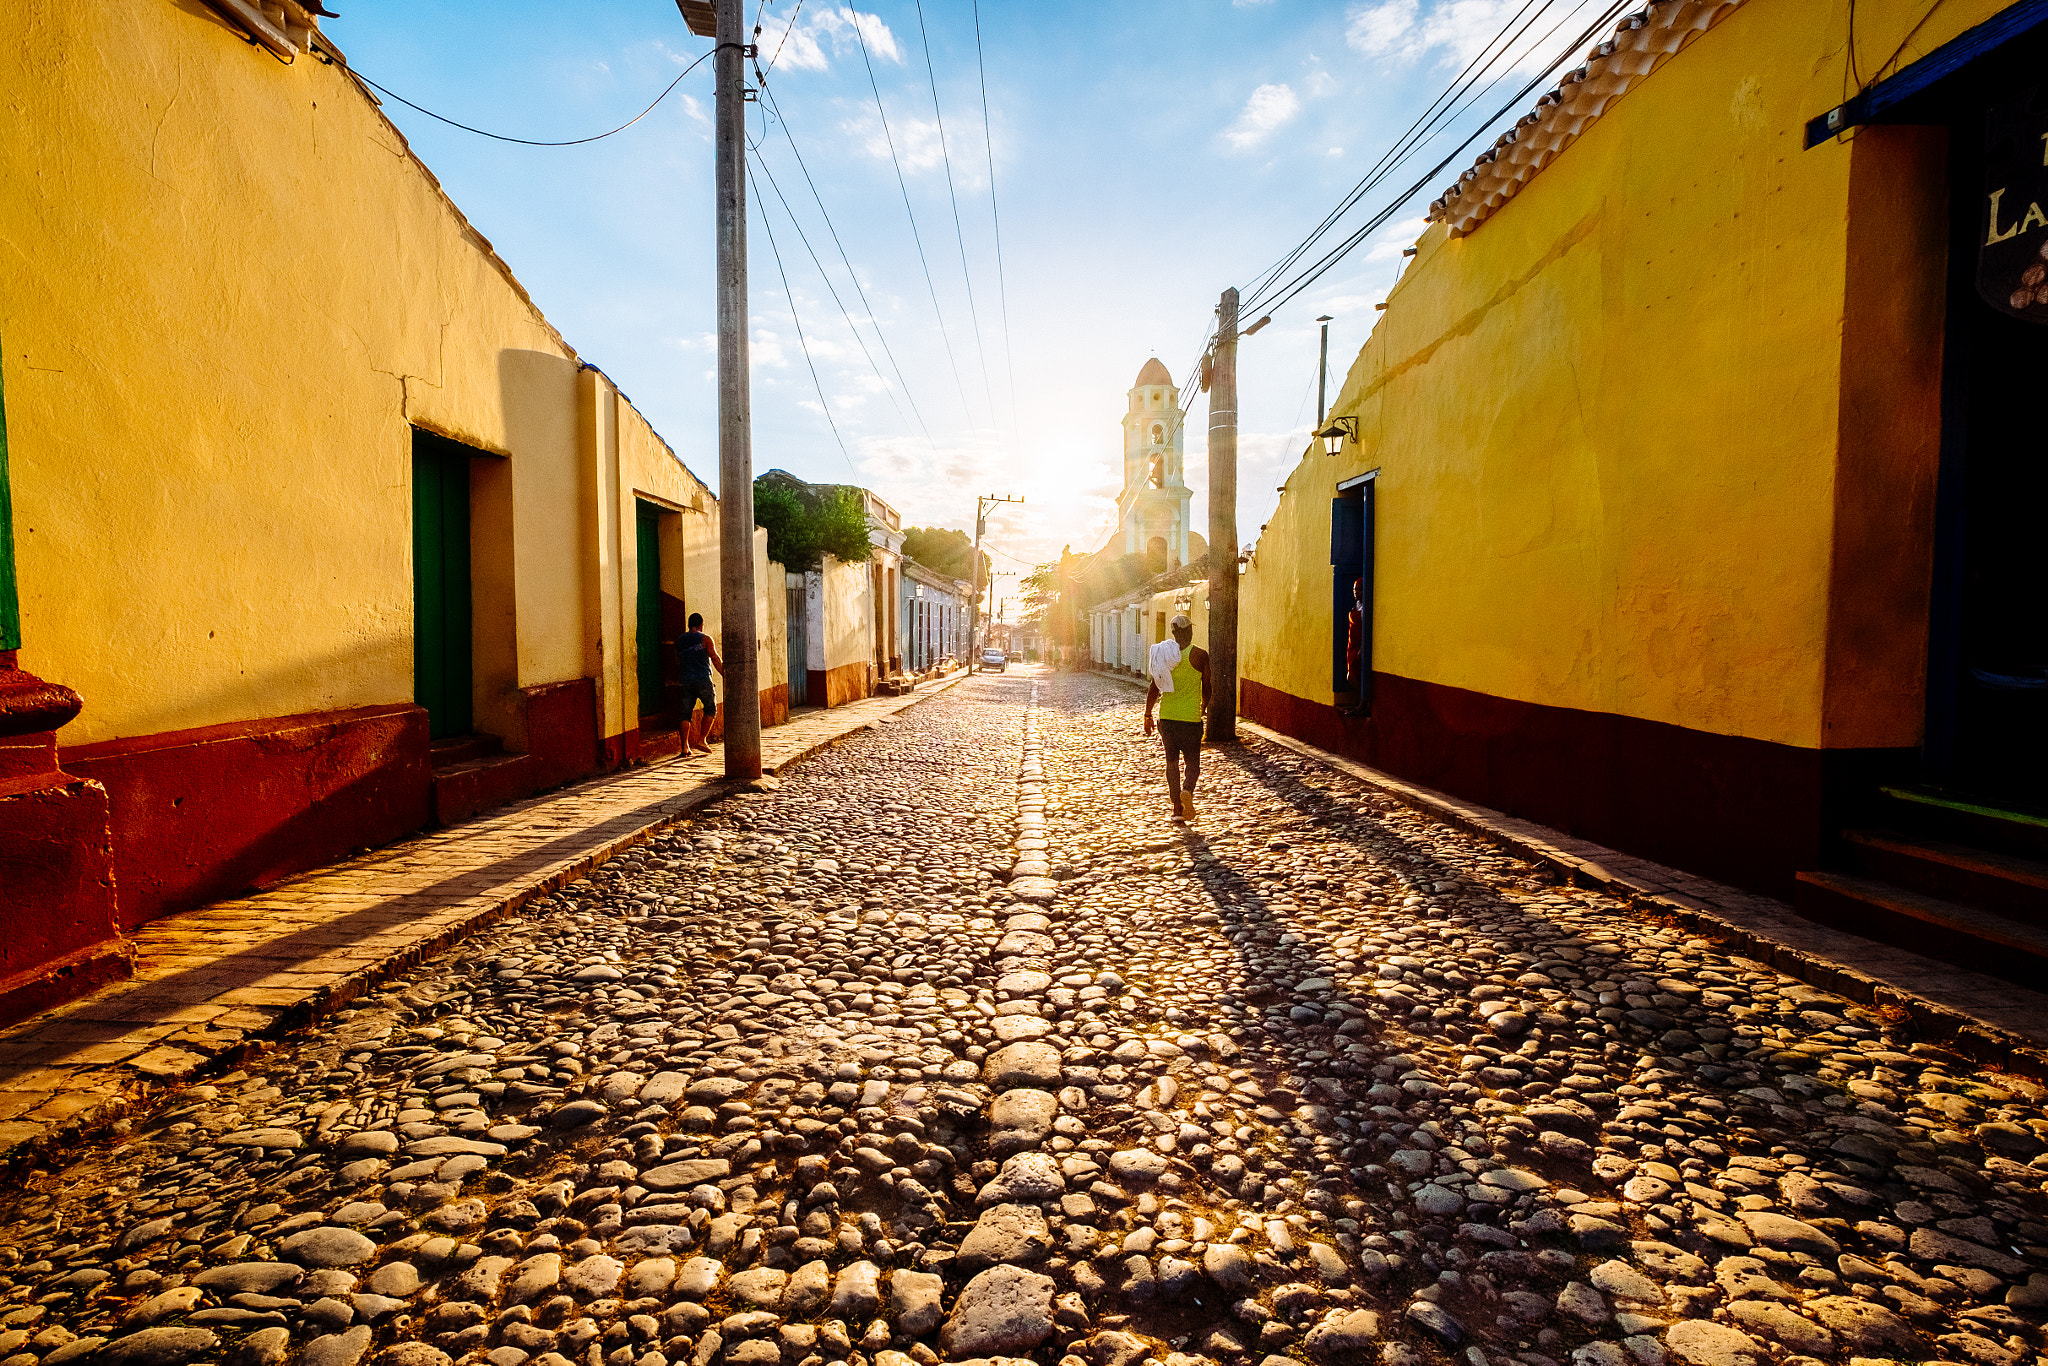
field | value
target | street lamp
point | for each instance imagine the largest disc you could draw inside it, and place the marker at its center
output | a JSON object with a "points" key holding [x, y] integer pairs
{"points": [[1334, 436]]}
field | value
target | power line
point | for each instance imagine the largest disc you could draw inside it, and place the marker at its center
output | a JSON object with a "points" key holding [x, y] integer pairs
{"points": [[1402, 146], [904, 185], [1276, 298], [794, 15], [804, 237], [802, 345], [529, 142], [988, 142], [959, 235], [874, 318]]}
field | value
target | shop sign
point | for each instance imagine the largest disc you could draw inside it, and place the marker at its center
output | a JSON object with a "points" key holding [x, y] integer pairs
{"points": [[2012, 260]]}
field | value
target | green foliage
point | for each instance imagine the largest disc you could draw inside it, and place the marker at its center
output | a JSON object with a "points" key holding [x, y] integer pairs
{"points": [[805, 524], [792, 540], [842, 523], [946, 551]]}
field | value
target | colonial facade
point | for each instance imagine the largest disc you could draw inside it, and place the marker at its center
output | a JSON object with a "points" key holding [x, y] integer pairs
{"points": [[1152, 509], [934, 618], [320, 532], [1687, 506]]}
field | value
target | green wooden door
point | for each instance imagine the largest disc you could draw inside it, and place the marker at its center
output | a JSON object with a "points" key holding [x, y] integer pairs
{"points": [[647, 524], [440, 583]]}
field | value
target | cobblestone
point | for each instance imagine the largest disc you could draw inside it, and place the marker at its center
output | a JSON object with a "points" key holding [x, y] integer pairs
{"points": [[811, 1078]]}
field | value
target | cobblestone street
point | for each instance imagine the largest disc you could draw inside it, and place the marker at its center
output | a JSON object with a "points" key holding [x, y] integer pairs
{"points": [[951, 1047]]}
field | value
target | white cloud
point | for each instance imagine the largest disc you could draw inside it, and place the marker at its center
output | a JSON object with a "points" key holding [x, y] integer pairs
{"points": [[918, 145], [1378, 29], [1269, 107], [1396, 238], [1456, 31], [802, 41], [766, 349]]}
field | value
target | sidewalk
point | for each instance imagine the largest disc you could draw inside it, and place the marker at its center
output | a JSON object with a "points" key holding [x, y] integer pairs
{"points": [[1983, 1017], [212, 983]]}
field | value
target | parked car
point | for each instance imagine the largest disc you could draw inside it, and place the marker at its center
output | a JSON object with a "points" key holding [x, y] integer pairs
{"points": [[995, 659]]}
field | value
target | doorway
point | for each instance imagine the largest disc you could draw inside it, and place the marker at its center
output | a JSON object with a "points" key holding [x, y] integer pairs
{"points": [[1353, 514], [1987, 725], [647, 609], [441, 595]]}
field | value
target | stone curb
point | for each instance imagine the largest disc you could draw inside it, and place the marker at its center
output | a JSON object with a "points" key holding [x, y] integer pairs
{"points": [[1756, 926], [23, 1144]]}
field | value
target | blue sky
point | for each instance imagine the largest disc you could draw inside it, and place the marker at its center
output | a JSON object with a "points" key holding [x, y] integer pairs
{"points": [[1145, 155]]}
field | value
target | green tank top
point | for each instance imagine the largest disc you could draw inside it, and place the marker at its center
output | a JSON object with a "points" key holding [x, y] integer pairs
{"points": [[1184, 703]]}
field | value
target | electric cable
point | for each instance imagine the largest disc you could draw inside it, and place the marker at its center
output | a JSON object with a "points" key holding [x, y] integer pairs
{"points": [[830, 288], [802, 345], [889, 138], [874, 318], [988, 143], [1415, 133], [530, 142], [1443, 111], [959, 233], [794, 15], [1281, 295]]}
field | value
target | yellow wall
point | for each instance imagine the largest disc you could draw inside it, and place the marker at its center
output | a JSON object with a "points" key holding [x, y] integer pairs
{"points": [[227, 292], [1610, 420]]}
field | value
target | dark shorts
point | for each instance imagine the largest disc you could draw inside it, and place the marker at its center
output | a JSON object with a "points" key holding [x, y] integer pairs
{"points": [[1180, 735], [697, 690]]}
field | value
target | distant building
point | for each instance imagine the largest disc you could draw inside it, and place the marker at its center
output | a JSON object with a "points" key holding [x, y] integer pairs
{"points": [[935, 615], [847, 614], [1153, 509]]}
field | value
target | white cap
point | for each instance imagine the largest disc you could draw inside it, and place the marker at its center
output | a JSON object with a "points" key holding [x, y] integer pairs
{"points": [[1181, 623]]}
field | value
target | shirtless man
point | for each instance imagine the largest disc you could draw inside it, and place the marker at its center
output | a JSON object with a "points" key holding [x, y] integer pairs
{"points": [[1180, 718]]}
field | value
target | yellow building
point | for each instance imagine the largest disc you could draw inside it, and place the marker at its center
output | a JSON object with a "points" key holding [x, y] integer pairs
{"points": [[1688, 500], [332, 533]]}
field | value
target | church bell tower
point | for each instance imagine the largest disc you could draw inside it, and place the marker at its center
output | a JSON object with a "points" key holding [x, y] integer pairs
{"points": [[1154, 508]]}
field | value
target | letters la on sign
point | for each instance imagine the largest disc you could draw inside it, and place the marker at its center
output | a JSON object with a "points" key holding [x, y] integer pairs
{"points": [[2012, 263]]}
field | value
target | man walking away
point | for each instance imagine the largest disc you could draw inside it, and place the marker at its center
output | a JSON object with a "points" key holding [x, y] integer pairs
{"points": [[698, 657], [1182, 701]]}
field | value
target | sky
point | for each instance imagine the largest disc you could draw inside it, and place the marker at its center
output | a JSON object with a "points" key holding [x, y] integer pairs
{"points": [[1028, 214]]}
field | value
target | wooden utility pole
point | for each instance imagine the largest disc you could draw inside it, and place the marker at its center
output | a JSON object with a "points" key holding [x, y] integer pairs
{"points": [[1323, 374], [1223, 526], [981, 507], [735, 416]]}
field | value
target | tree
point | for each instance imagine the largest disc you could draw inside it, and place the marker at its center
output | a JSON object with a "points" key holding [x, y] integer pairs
{"points": [[947, 551], [792, 540], [1041, 591], [808, 521]]}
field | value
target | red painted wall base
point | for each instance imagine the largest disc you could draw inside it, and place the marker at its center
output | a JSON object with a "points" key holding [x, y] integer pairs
{"points": [[62, 937], [1742, 811], [198, 815]]}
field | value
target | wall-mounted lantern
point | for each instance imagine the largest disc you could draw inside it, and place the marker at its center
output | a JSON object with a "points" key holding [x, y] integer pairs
{"points": [[1339, 430]]}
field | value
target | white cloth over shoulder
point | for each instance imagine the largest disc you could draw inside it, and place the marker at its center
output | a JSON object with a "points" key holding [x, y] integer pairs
{"points": [[1160, 661]]}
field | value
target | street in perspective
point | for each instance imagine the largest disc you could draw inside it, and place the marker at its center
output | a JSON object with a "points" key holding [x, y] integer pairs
{"points": [[953, 1047], [1428, 748]]}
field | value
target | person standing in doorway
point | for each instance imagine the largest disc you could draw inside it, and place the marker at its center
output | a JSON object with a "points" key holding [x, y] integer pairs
{"points": [[1180, 689], [698, 657]]}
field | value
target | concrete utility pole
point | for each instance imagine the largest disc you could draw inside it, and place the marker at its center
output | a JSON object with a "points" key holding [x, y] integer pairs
{"points": [[1223, 526], [981, 507], [735, 416], [1323, 373]]}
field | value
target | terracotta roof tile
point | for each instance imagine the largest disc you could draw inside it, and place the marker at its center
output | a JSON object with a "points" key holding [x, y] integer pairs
{"points": [[1641, 43]]}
